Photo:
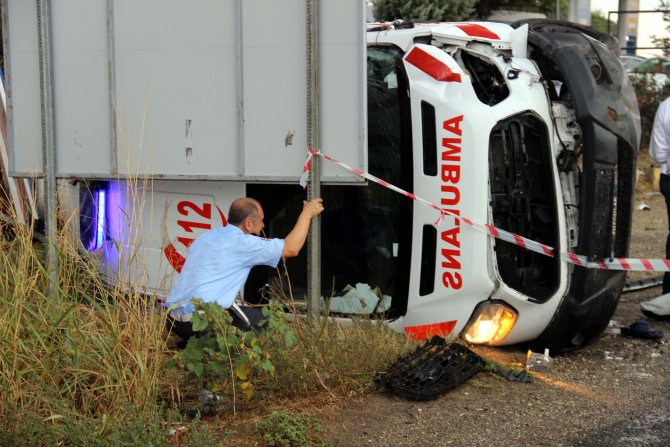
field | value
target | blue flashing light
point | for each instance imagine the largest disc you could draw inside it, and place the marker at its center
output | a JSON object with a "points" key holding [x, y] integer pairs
{"points": [[100, 217]]}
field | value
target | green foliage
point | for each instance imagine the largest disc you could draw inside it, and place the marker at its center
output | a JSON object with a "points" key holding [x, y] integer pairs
{"points": [[663, 41], [452, 10], [484, 8], [288, 358], [134, 429], [286, 429], [30, 430], [429, 10], [599, 22], [227, 356], [341, 359], [649, 94], [200, 435]]}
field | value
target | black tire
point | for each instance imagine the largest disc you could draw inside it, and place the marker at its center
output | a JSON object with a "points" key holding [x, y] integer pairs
{"points": [[593, 296], [560, 26]]}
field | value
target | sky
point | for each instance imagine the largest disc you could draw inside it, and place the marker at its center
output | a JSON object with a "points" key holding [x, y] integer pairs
{"points": [[649, 23]]}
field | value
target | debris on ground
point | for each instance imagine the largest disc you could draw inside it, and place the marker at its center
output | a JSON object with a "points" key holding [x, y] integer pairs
{"points": [[432, 370], [641, 329]]}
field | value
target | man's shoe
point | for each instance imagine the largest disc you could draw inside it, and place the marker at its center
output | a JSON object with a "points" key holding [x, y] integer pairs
{"points": [[658, 308]]}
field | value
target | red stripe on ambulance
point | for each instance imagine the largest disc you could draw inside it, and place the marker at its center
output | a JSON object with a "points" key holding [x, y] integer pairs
{"points": [[431, 66], [476, 30], [175, 259], [426, 331]]}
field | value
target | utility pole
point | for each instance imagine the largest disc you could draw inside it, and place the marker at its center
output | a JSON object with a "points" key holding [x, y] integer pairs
{"points": [[579, 11], [48, 138], [621, 24], [313, 105]]}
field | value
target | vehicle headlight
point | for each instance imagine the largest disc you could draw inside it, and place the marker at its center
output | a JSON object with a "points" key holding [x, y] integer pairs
{"points": [[490, 324]]}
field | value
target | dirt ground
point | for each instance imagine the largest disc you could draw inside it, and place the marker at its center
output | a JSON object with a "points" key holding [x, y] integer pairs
{"points": [[614, 392]]}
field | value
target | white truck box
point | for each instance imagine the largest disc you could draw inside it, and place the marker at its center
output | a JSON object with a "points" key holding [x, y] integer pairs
{"points": [[184, 89]]}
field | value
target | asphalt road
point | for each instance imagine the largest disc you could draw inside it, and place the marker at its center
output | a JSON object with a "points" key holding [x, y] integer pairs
{"points": [[650, 428]]}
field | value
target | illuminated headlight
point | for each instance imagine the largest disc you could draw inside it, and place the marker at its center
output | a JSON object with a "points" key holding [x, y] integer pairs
{"points": [[490, 324]]}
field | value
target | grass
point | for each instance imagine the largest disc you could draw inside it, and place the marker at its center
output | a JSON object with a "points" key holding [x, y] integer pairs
{"points": [[286, 429], [340, 360], [86, 365], [83, 366]]}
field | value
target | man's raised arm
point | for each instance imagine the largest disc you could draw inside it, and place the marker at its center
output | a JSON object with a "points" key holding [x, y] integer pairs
{"points": [[296, 238]]}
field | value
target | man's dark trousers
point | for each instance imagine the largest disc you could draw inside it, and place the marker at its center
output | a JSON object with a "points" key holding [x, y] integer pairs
{"points": [[665, 190], [185, 329]]}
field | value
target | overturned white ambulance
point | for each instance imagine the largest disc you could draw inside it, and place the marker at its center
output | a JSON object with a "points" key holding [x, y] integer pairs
{"points": [[530, 128]]}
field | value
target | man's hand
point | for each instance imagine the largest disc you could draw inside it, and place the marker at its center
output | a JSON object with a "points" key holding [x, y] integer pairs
{"points": [[296, 238], [313, 208]]}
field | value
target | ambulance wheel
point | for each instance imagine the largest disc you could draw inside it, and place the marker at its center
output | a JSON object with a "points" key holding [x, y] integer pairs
{"points": [[559, 26]]}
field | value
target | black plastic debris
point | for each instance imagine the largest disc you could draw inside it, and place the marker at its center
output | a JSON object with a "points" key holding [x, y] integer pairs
{"points": [[509, 374], [641, 329], [431, 370]]}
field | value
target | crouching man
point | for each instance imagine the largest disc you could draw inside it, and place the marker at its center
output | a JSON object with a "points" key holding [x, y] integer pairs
{"points": [[219, 261]]}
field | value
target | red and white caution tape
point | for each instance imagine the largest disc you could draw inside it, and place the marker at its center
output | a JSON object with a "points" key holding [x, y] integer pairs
{"points": [[629, 264]]}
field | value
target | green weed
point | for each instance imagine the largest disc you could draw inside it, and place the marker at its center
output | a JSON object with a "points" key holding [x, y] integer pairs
{"points": [[227, 357], [286, 429], [288, 357]]}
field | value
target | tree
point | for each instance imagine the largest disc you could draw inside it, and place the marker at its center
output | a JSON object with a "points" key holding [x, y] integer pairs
{"points": [[663, 42], [650, 95], [599, 22], [484, 8], [445, 10], [429, 10]]}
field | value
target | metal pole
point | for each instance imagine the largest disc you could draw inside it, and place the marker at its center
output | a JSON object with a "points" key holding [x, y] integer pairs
{"points": [[609, 21], [111, 73], [314, 245], [572, 11], [239, 62], [48, 138], [621, 24]]}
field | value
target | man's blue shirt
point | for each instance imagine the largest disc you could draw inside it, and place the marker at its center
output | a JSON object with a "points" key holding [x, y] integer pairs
{"points": [[218, 264]]}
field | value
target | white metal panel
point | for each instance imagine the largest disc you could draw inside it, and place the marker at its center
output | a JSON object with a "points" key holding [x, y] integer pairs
{"points": [[201, 88], [275, 82], [176, 87], [344, 86], [275, 87], [462, 129], [149, 226], [23, 82], [81, 86]]}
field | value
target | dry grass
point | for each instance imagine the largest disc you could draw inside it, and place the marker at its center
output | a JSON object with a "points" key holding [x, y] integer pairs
{"points": [[330, 359], [88, 352], [340, 360], [89, 361]]}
